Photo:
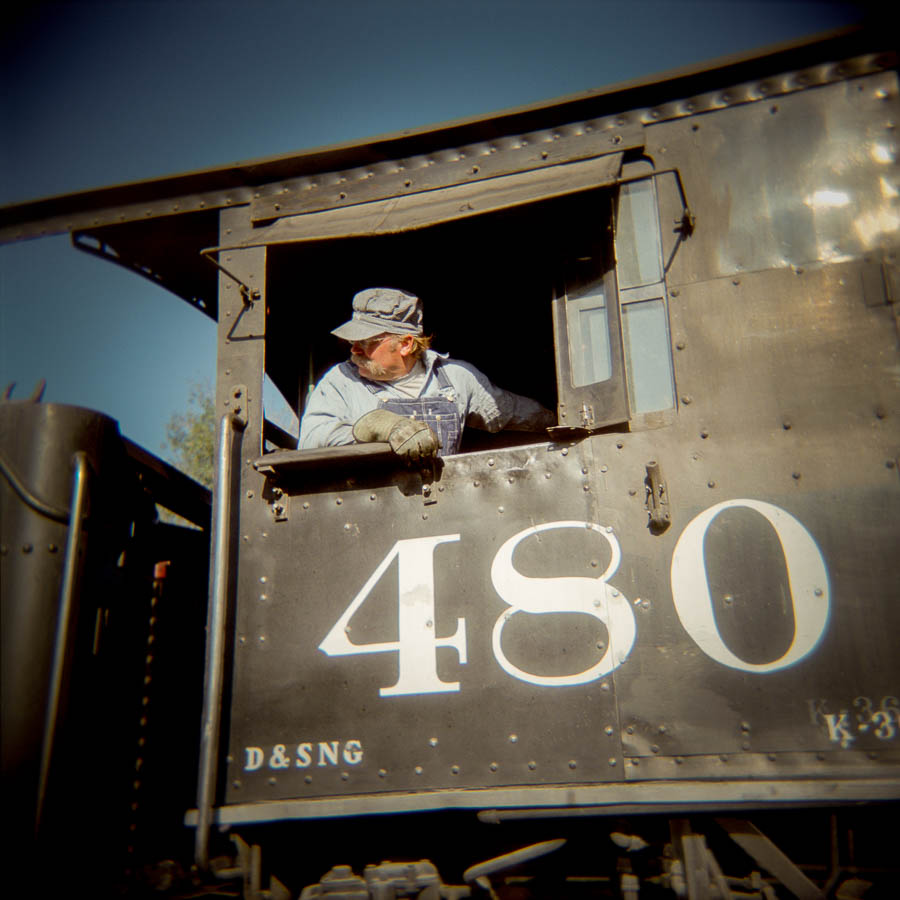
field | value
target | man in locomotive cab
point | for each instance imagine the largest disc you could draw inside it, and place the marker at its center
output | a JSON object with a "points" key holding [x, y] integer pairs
{"points": [[395, 389]]}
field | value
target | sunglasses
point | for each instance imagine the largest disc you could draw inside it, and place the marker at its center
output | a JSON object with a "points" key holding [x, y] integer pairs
{"points": [[372, 344]]}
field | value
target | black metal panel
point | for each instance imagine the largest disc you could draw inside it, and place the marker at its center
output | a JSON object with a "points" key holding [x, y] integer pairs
{"points": [[778, 407], [482, 726]]}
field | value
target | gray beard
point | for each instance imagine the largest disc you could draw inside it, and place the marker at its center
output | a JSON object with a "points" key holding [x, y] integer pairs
{"points": [[369, 367]]}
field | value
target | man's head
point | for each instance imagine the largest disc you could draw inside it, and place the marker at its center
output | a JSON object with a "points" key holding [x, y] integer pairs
{"points": [[385, 333]]}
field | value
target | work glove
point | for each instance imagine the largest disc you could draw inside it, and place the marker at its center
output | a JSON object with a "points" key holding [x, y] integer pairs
{"points": [[409, 438]]}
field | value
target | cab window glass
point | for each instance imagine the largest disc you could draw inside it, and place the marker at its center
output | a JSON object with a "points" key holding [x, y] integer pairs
{"points": [[638, 252], [648, 365], [589, 350]]}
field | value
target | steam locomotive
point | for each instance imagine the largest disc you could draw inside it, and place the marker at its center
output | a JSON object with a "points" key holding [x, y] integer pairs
{"points": [[567, 664]]}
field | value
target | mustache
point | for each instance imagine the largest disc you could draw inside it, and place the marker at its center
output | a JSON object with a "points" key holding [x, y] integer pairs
{"points": [[367, 365]]}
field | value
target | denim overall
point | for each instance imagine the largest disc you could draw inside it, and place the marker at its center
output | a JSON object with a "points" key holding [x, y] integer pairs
{"points": [[439, 413]]}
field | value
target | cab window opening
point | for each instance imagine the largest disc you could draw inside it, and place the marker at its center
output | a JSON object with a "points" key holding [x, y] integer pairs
{"points": [[487, 286]]}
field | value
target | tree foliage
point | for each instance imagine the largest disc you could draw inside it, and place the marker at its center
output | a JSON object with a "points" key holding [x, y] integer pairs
{"points": [[191, 436]]}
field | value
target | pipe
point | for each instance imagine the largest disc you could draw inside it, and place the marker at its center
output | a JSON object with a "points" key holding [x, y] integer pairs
{"points": [[229, 425], [61, 644]]}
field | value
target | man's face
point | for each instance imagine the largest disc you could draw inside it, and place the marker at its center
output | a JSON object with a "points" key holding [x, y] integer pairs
{"points": [[381, 358]]}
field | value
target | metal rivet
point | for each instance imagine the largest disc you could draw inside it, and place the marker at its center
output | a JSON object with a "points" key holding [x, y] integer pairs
{"points": [[679, 760], [272, 779], [263, 597], [493, 767], [500, 509], [510, 479], [263, 579], [418, 770], [52, 548], [662, 729], [604, 686], [728, 598], [604, 468], [382, 773], [306, 505], [454, 770], [338, 502], [532, 765], [710, 483], [476, 483], [345, 776], [490, 462], [818, 592], [308, 779], [573, 764], [27, 548], [723, 757], [514, 739], [687, 400], [371, 496], [795, 476], [619, 445], [433, 741], [645, 604], [680, 345], [609, 730], [262, 638], [704, 434], [745, 726], [735, 281], [612, 760], [631, 492], [630, 729], [787, 424], [546, 474]]}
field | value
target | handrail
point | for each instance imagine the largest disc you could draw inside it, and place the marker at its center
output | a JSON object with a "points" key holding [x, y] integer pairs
{"points": [[229, 425], [61, 644]]}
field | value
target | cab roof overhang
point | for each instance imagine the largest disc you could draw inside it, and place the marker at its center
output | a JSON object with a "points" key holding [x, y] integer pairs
{"points": [[159, 227]]}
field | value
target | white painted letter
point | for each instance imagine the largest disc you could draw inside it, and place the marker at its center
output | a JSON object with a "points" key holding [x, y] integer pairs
{"points": [[254, 758], [353, 753], [303, 757], [328, 753]]}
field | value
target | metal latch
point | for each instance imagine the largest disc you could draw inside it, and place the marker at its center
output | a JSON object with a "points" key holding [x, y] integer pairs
{"points": [[657, 500]]}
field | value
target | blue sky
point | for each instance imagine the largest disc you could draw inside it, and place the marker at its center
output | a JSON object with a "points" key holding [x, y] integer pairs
{"points": [[98, 93]]}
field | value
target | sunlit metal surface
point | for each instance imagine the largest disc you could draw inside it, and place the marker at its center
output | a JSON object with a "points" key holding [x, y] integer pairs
{"points": [[821, 166]]}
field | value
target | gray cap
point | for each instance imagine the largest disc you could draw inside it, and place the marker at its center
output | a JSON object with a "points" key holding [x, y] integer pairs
{"points": [[382, 311]]}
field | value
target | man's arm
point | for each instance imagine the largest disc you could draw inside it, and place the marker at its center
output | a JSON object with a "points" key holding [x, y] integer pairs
{"points": [[492, 409], [328, 418]]}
